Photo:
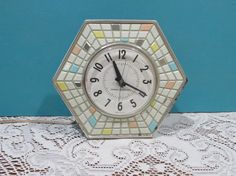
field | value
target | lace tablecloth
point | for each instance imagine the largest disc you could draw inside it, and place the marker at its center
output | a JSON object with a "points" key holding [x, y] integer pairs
{"points": [[185, 144]]}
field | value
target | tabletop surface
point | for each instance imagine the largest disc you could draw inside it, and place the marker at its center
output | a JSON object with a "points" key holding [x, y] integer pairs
{"points": [[185, 144]]}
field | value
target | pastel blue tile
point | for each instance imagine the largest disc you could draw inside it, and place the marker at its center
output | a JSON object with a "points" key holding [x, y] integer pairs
{"points": [[92, 121], [124, 39], [74, 68], [173, 66], [152, 126]]}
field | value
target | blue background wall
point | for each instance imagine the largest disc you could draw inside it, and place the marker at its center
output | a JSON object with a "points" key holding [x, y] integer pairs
{"points": [[35, 35]]}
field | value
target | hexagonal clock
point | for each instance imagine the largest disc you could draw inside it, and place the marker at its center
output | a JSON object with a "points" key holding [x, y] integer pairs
{"points": [[119, 78]]}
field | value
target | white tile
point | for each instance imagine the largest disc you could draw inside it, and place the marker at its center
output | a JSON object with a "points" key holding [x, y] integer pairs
{"points": [[141, 124], [82, 53], [70, 85], [108, 34], [79, 100], [61, 76], [142, 34], [83, 106], [158, 54], [168, 58], [116, 34], [67, 66], [163, 83], [125, 34], [150, 38], [67, 94], [74, 93], [77, 111], [91, 38], [86, 31], [106, 26], [178, 75], [170, 75], [165, 92], [100, 125], [82, 118], [154, 32], [102, 41], [148, 119], [72, 57], [134, 131], [164, 50], [96, 44], [163, 77], [133, 34], [81, 41], [172, 93], [162, 109], [88, 127], [115, 131], [124, 131], [166, 68], [95, 26], [145, 44], [78, 61], [69, 76], [177, 84], [159, 41], [125, 26], [72, 102], [97, 131], [135, 26]]}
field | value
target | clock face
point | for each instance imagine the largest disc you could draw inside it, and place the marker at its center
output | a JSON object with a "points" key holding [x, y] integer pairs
{"points": [[120, 80]]}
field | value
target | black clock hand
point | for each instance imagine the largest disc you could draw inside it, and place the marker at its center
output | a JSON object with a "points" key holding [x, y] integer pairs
{"points": [[143, 94], [119, 78]]}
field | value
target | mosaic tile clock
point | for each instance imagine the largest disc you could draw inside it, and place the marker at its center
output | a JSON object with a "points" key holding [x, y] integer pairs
{"points": [[119, 78]]}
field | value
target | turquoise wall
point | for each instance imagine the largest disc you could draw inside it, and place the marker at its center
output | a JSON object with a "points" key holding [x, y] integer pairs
{"points": [[35, 35]]}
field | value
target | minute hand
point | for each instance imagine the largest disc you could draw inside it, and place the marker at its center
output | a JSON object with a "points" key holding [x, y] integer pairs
{"points": [[143, 94]]}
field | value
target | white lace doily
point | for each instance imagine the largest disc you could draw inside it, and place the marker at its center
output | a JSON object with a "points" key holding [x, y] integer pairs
{"points": [[185, 144]]}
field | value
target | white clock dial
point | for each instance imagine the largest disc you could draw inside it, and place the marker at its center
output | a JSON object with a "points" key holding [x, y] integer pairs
{"points": [[120, 80]]}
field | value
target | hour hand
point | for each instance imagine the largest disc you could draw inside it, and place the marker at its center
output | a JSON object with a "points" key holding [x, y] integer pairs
{"points": [[119, 78]]}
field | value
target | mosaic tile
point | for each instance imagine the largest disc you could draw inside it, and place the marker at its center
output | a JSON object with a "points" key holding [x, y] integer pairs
{"points": [[61, 76], [107, 131], [62, 86], [152, 126], [154, 47], [115, 27], [76, 50], [72, 102], [88, 127], [92, 120], [98, 34], [146, 27]]}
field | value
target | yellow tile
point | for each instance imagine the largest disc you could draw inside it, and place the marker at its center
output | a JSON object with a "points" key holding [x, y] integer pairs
{"points": [[107, 131], [62, 86], [154, 47], [153, 103], [98, 34]]}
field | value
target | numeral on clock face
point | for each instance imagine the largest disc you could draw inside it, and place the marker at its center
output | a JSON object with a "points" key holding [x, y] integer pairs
{"points": [[98, 67], [122, 54], [108, 57]]}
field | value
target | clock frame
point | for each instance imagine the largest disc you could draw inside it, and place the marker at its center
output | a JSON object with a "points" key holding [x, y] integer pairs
{"points": [[94, 36]]}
